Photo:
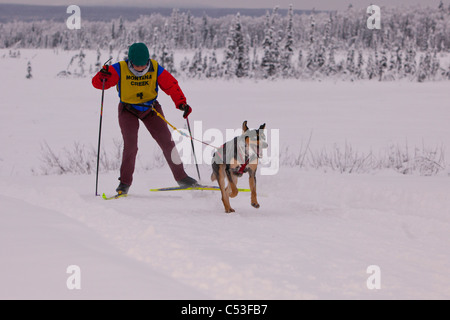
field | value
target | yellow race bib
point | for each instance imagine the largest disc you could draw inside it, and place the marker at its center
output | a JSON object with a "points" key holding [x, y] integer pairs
{"points": [[136, 90]]}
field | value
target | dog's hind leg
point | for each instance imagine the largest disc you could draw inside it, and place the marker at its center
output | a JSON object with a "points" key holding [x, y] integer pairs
{"points": [[215, 171], [225, 196], [252, 183], [232, 182]]}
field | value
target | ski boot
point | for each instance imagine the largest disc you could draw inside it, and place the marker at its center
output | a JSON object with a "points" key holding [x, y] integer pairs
{"points": [[187, 182], [122, 189]]}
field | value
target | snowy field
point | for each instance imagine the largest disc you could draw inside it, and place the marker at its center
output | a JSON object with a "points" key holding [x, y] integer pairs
{"points": [[314, 236]]}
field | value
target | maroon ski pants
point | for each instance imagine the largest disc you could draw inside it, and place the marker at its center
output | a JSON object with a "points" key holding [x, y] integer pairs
{"points": [[129, 125]]}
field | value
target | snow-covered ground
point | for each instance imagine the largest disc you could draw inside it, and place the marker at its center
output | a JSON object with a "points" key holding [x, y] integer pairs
{"points": [[314, 236]]}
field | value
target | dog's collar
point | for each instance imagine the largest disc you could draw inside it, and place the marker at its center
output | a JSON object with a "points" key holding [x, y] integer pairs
{"points": [[242, 153]]}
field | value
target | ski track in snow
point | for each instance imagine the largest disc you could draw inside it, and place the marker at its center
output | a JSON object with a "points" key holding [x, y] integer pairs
{"points": [[289, 249]]}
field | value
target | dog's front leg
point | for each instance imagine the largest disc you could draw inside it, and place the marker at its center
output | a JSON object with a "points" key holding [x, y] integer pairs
{"points": [[252, 183], [225, 195]]}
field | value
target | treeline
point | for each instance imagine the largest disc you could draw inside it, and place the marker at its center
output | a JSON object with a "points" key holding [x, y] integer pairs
{"points": [[412, 43]]}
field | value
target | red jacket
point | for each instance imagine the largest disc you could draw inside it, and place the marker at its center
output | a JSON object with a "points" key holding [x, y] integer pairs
{"points": [[165, 80]]}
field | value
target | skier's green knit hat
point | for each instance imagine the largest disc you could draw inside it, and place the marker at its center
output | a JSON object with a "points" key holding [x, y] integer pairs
{"points": [[138, 54]]}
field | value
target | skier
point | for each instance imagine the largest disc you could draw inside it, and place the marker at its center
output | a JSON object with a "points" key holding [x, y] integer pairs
{"points": [[138, 79]]}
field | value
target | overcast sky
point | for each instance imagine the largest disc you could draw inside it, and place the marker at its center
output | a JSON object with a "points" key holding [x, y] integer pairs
{"points": [[298, 4]]}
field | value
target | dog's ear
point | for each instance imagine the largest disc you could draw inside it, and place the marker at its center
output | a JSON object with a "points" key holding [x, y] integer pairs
{"points": [[262, 127], [244, 126]]}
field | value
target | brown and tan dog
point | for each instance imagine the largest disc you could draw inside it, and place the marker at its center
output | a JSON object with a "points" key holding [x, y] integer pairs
{"points": [[235, 158]]}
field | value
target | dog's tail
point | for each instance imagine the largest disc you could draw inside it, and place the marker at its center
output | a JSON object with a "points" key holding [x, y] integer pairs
{"points": [[213, 177]]}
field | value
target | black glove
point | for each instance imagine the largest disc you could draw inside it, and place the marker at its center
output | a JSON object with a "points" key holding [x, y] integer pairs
{"points": [[104, 73], [186, 108]]}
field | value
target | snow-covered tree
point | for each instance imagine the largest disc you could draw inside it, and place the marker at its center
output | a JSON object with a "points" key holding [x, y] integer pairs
{"points": [[229, 63], [269, 61], [288, 50], [174, 28], [166, 59], [190, 32], [350, 62], [435, 65], [359, 69], [371, 67], [330, 68], [323, 39], [237, 61], [81, 63], [213, 68], [242, 54], [98, 63], [382, 63], [410, 63], [184, 65], [300, 64], [204, 31], [315, 58], [196, 65], [29, 75]]}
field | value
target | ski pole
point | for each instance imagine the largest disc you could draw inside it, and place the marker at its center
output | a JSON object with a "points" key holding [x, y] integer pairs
{"points": [[100, 133], [193, 149], [99, 138]]}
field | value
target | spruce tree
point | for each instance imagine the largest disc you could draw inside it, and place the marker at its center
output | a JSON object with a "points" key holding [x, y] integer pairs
{"points": [[241, 55], [424, 71], [382, 63], [288, 51], [300, 64], [371, 68], [190, 32], [204, 31], [212, 68], [229, 63], [98, 63], [421, 71], [166, 60], [81, 63], [350, 63], [277, 38], [330, 68], [410, 64], [399, 62], [184, 65], [360, 65], [236, 61], [196, 66], [316, 53], [269, 61], [435, 65], [156, 44], [29, 76], [174, 30]]}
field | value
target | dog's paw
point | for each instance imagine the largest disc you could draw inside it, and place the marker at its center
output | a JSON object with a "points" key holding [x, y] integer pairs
{"points": [[255, 205], [233, 194], [229, 210]]}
